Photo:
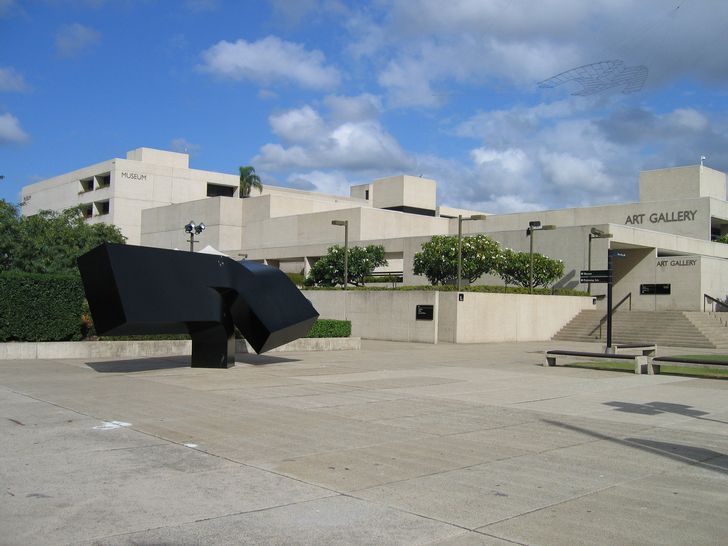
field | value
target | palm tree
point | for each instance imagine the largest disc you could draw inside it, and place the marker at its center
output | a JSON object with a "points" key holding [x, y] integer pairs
{"points": [[248, 181]]}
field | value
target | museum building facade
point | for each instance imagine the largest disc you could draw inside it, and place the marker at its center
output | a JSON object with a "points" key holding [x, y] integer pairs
{"points": [[666, 255]]}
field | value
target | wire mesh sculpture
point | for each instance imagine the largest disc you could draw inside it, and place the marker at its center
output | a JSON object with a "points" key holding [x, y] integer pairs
{"points": [[597, 77]]}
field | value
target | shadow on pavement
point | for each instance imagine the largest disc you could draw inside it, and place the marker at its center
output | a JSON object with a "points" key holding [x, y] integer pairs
{"points": [[250, 358], [140, 364], [705, 458]]}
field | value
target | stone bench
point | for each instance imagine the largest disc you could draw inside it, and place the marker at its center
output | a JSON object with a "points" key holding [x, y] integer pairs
{"points": [[641, 362], [657, 362]]}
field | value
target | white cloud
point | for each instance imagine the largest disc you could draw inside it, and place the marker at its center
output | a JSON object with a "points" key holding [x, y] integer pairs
{"points": [[10, 130], [72, 40], [359, 108], [11, 80], [512, 161], [422, 47], [269, 61], [567, 171], [298, 125], [349, 138], [331, 183]]}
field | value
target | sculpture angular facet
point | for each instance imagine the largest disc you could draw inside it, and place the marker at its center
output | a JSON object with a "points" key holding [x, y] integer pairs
{"points": [[134, 290]]}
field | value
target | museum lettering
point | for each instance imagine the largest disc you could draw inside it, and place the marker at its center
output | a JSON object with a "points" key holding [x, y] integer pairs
{"points": [[662, 217], [134, 176]]}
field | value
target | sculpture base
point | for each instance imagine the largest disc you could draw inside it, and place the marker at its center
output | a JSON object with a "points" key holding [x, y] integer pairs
{"points": [[213, 348]]}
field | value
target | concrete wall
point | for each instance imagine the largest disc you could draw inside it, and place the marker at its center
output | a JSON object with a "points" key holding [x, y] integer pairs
{"points": [[714, 275], [484, 318], [682, 182], [386, 315], [479, 318]]}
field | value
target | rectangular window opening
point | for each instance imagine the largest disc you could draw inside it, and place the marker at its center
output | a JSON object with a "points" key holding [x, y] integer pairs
{"points": [[87, 184], [103, 180], [218, 190], [102, 207]]}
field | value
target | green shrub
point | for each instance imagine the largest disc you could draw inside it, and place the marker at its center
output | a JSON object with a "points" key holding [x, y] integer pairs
{"points": [[330, 328], [476, 288], [40, 307]]}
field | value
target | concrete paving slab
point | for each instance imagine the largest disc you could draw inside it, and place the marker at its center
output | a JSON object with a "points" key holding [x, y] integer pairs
{"points": [[396, 443], [353, 469], [335, 520], [674, 508]]}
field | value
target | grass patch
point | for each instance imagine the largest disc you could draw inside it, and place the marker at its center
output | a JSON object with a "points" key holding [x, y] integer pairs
{"points": [[712, 373]]}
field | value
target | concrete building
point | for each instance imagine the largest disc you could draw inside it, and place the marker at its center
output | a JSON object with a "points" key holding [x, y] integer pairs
{"points": [[668, 257]]}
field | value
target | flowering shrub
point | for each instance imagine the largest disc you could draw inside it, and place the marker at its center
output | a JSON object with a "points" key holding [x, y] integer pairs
{"points": [[516, 265], [438, 260], [329, 270]]}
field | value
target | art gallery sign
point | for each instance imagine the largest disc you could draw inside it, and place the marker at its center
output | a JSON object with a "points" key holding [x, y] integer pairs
{"points": [[677, 262], [661, 217]]}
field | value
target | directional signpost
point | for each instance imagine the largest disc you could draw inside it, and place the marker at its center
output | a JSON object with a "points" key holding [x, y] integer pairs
{"points": [[591, 276], [595, 276]]}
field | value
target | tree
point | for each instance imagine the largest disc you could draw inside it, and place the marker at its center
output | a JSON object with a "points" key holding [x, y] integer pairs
{"points": [[438, 260], [49, 242], [722, 239], [515, 269], [249, 180], [329, 270]]}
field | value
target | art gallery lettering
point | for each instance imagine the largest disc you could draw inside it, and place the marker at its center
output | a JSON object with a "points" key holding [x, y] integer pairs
{"points": [[661, 217]]}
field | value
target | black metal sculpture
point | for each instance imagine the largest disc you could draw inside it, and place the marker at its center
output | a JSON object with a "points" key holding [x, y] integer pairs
{"points": [[134, 290]]}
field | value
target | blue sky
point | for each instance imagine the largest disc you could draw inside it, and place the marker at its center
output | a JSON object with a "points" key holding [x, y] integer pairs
{"points": [[322, 94]]}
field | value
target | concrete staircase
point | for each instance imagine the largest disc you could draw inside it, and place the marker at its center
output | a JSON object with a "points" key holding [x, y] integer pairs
{"points": [[667, 328]]}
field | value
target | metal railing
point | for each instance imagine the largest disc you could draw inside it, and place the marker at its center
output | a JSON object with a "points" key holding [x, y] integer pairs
{"points": [[714, 302], [614, 308]]}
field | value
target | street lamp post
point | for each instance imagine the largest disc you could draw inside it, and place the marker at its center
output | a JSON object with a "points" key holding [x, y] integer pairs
{"points": [[595, 233], [344, 223], [194, 229], [533, 226], [460, 243]]}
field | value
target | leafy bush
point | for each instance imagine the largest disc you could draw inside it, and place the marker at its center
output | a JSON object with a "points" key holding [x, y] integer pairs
{"points": [[330, 328], [37, 307], [438, 260], [49, 242], [329, 270], [515, 269]]}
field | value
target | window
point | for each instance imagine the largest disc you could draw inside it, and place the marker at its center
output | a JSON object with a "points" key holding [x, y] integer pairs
{"points": [[87, 210], [102, 207], [87, 184], [217, 190], [103, 180]]}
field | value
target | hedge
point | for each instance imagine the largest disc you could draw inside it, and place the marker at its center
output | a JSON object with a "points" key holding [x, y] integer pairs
{"points": [[330, 328], [473, 288], [40, 307]]}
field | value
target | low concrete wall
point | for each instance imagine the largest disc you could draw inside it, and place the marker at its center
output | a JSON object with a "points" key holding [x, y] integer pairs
{"points": [[482, 318], [309, 344], [150, 349], [479, 318], [385, 314]]}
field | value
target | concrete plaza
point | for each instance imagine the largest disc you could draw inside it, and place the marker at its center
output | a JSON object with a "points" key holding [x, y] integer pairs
{"points": [[397, 443]]}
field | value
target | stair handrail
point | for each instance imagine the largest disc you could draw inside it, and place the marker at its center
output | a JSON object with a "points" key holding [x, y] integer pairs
{"points": [[713, 301], [614, 308]]}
